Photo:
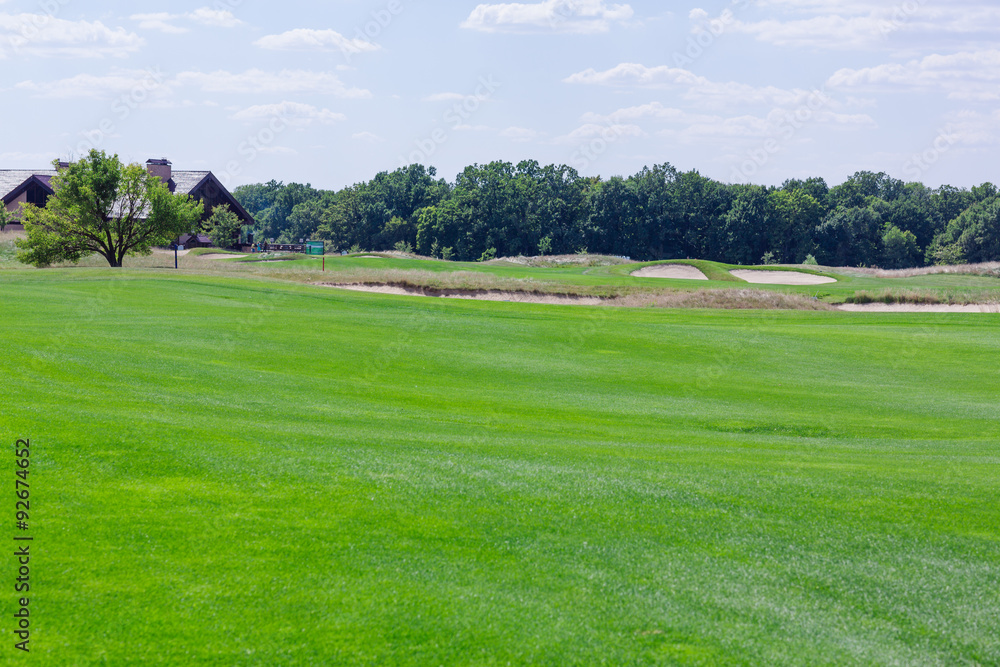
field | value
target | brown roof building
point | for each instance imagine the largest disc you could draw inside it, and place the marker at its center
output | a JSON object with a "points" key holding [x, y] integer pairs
{"points": [[24, 186]]}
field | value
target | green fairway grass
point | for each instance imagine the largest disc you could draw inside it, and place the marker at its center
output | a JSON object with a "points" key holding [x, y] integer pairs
{"points": [[233, 470]]}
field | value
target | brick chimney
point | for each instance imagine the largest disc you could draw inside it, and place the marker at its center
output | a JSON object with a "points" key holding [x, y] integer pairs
{"points": [[159, 168]]}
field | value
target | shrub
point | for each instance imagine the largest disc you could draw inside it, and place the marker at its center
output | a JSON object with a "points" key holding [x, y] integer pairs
{"points": [[810, 261]]}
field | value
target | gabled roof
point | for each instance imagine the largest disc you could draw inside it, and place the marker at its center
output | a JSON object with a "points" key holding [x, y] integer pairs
{"points": [[185, 182], [14, 181]]}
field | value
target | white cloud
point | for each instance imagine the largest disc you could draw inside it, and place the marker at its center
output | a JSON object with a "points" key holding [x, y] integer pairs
{"points": [[219, 18], [304, 39], [634, 74], [158, 21], [163, 21], [38, 35], [589, 131], [294, 113], [260, 82], [369, 137], [559, 16], [835, 25], [138, 85], [969, 76], [695, 88]]}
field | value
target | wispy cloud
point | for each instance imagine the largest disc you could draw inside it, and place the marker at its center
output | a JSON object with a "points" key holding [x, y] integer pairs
{"points": [[117, 82], [305, 39], [294, 113], [42, 35], [166, 22], [557, 16], [258, 81], [969, 76]]}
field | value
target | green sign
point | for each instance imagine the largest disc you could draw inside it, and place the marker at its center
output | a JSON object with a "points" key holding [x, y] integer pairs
{"points": [[314, 248]]}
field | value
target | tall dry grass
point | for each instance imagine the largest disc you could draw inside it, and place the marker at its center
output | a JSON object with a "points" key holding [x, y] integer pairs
{"points": [[919, 297], [991, 269]]}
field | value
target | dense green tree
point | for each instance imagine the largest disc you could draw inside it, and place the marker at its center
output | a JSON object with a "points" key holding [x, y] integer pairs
{"points": [[103, 206], [850, 237], [856, 191], [795, 214], [974, 236], [899, 248], [746, 226], [814, 187], [657, 213], [223, 226]]}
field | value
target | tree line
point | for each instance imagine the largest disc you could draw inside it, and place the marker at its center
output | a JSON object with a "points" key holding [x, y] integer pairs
{"points": [[502, 209]]}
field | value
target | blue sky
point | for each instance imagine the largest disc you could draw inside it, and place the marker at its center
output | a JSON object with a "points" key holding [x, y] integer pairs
{"points": [[330, 94]]}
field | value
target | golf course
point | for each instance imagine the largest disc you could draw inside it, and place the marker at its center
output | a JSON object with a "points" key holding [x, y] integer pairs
{"points": [[239, 463]]}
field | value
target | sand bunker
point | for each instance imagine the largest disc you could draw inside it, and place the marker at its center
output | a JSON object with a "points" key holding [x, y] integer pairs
{"points": [[918, 308], [489, 295], [781, 277], [675, 271], [222, 256], [367, 257]]}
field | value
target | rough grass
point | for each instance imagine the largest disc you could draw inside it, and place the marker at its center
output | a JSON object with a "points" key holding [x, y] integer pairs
{"points": [[917, 296], [544, 261], [989, 269]]}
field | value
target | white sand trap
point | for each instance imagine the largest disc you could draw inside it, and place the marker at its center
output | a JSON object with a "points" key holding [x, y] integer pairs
{"points": [[918, 308], [367, 257], [675, 271], [781, 277], [490, 295], [222, 256]]}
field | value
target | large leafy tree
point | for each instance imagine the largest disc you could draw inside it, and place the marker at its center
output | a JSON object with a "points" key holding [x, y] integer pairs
{"points": [[103, 206], [223, 227], [973, 236]]}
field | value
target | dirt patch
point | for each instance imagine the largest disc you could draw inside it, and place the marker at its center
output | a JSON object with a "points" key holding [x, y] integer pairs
{"points": [[485, 295], [675, 271], [919, 308], [781, 277], [221, 256]]}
